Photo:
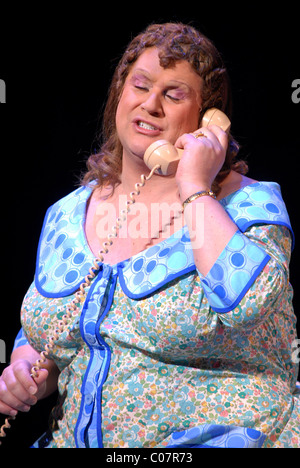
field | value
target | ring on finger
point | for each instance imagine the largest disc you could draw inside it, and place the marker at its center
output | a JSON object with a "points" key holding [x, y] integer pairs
{"points": [[199, 135]]}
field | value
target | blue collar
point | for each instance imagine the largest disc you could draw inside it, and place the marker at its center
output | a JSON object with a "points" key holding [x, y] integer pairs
{"points": [[64, 257]]}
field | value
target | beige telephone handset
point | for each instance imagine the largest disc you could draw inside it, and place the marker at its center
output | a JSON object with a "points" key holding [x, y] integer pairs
{"points": [[163, 153]]}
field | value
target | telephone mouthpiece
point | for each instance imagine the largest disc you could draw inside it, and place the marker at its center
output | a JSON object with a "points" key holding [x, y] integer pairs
{"points": [[164, 154]]}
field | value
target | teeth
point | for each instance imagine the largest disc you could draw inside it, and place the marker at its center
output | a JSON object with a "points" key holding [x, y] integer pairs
{"points": [[145, 125]]}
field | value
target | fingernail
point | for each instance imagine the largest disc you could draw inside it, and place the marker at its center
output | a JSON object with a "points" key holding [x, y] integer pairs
{"points": [[13, 413], [32, 390]]}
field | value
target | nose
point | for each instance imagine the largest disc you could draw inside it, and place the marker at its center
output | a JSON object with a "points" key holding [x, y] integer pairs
{"points": [[153, 105]]}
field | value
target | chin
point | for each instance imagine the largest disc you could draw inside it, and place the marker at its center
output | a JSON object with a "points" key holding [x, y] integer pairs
{"points": [[135, 152]]}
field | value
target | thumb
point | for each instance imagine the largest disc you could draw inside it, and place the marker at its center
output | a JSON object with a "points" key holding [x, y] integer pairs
{"points": [[40, 379]]}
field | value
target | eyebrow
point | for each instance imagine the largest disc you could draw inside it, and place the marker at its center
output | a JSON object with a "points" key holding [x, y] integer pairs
{"points": [[170, 83]]}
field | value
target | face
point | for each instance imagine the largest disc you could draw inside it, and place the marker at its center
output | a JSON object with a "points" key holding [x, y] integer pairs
{"points": [[157, 103]]}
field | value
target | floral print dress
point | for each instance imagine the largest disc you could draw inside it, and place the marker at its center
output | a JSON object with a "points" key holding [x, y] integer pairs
{"points": [[160, 356]]}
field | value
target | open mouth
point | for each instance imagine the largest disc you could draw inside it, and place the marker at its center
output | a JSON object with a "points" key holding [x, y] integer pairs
{"points": [[146, 126]]}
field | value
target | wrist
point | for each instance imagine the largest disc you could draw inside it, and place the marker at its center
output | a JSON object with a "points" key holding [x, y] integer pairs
{"points": [[188, 189], [195, 196]]}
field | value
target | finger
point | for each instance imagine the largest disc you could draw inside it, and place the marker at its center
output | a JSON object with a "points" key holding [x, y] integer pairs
{"points": [[18, 395], [33, 385], [199, 135], [40, 380], [7, 410], [186, 141], [10, 404], [41, 377], [216, 134], [22, 373]]}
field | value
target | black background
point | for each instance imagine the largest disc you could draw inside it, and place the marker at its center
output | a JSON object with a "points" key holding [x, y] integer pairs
{"points": [[57, 64]]}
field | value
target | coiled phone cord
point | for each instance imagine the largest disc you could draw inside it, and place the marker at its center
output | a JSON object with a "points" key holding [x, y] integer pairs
{"points": [[73, 308]]}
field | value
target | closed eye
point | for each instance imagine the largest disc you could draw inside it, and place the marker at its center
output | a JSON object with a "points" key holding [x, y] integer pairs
{"points": [[173, 98], [175, 94], [142, 88]]}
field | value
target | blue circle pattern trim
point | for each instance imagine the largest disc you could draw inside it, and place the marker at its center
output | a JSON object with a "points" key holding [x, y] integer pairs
{"points": [[64, 257], [258, 202], [211, 435], [151, 269], [234, 271]]}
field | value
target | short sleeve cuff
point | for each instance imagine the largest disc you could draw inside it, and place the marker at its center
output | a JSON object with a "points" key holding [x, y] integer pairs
{"points": [[234, 272], [20, 340]]}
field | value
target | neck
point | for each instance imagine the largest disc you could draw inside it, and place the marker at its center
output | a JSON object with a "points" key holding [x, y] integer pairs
{"points": [[157, 188]]}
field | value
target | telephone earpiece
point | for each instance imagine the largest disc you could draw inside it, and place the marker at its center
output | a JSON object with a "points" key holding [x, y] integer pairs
{"points": [[163, 153], [216, 117]]}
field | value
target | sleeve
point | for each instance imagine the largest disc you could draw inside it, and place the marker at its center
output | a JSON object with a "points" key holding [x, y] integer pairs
{"points": [[20, 340], [255, 262]]}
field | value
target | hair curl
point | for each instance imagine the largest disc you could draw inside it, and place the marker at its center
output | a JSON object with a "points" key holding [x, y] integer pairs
{"points": [[175, 41]]}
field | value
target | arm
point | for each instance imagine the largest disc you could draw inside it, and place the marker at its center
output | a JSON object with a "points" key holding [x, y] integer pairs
{"points": [[210, 229], [209, 225], [18, 390], [230, 261]]}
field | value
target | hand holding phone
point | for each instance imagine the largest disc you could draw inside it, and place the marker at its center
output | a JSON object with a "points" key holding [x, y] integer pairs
{"points": [[163, 153]]}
